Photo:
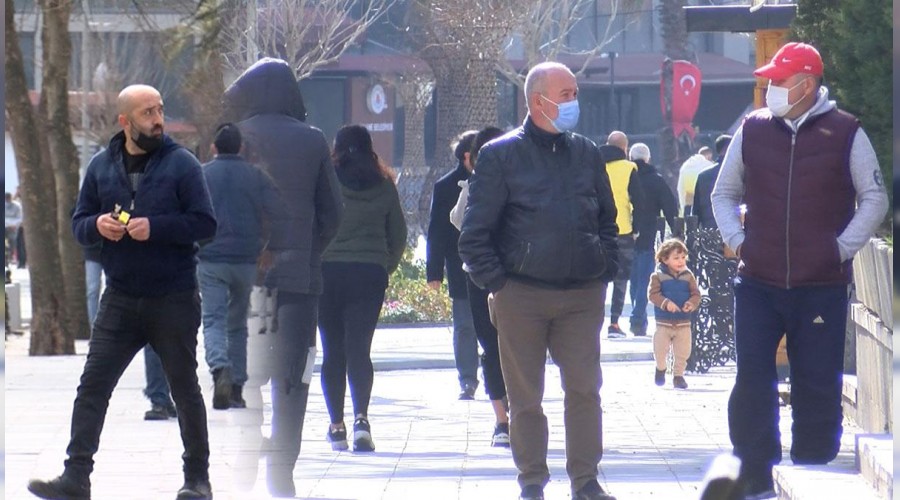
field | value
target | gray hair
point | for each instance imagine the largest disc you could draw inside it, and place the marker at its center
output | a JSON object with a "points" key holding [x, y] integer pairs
{"points": [[639, 151], [536, 79]]}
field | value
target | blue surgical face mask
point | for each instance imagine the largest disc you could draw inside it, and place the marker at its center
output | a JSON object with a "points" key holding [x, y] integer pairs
{"points": [[567, 117]]}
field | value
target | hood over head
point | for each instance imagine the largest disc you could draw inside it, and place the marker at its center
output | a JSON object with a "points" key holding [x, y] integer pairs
{"points": [[267, 87]]}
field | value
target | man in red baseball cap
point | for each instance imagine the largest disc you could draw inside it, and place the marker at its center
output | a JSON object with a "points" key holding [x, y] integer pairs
{"points": [[814, 196], [795, 74]]}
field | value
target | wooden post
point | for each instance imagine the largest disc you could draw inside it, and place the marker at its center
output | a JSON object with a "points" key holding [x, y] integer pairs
{"points": [[768, 41]]}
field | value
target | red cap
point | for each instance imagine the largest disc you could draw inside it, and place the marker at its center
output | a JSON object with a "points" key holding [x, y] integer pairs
{"points": [[791, 59]]}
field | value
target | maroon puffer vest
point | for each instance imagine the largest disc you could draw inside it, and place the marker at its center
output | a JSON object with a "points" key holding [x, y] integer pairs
{"points": [[799, 197]]}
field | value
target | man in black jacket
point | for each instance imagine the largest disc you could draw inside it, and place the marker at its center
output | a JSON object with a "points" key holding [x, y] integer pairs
{"points": [[540, 233], [706, 179], [266, 98], [658, 198], [441, 253]]}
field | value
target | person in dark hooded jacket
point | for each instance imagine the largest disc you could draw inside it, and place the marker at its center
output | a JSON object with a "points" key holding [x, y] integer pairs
{"points": [[267, 102]]}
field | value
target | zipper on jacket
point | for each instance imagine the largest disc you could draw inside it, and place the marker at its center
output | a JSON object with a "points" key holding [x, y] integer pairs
{"points": [[524, 257], [787, 222]]}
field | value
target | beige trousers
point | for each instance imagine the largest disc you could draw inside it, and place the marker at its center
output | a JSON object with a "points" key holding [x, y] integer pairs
{"points": [[676, 337], [530, 320]]}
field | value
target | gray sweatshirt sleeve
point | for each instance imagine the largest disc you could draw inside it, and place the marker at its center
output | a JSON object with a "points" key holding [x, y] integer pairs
{"points": [[729, 191], [871, 197]]}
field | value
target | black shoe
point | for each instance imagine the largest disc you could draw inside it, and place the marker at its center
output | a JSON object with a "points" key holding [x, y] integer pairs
{"points": [[500, 438], [615, 332], [660, 378], [591, 491], [160, 412], [362, 435], [338, 438], [196, 488], [468, 392], [532, 492], [60, 488], [222, 389], [679, 383], [757, 486], [237, 396], [639, 330]]}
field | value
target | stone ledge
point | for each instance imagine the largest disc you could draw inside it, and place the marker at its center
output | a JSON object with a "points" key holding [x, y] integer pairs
{"points": [[875, 461], [822, 482]]}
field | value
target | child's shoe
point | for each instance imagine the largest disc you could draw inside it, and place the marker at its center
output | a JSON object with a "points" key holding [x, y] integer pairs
{"points": [[679, 383], [660, 378]]}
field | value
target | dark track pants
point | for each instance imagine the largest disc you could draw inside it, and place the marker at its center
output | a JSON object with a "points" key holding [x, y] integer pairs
{"points": [[814, 319]]}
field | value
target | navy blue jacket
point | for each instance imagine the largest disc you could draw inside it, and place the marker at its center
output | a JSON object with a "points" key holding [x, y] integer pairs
{"points": [[172, 195], [245, 200], [442, 243], [680, 289]]}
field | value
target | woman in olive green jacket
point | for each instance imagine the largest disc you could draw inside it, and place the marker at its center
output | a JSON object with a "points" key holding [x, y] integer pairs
{"points": [[355, 269]]}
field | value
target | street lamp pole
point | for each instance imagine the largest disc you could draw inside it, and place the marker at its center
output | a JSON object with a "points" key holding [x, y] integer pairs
{"points": [[613, 111]]}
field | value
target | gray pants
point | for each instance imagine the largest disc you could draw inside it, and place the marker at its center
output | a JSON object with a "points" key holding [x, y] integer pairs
{"points": [[465, 343], [529, 321]]}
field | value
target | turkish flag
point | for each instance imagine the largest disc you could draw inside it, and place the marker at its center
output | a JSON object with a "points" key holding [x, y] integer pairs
{"points": [[686, 80]]}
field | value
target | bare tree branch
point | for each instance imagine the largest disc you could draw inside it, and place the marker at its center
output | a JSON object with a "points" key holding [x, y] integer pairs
{"points": [[308, 34], [545, 32]]}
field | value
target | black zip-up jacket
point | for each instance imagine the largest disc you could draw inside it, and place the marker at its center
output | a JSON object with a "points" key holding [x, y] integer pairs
{"points": [[540, 211], [442, 238], [658, 197]]}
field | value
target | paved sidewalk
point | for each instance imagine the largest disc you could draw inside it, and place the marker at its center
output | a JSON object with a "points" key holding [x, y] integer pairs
{"points": [[657, 441]]}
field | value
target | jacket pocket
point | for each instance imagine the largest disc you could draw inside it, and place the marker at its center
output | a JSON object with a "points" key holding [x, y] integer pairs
{"points": [[588, 257]]}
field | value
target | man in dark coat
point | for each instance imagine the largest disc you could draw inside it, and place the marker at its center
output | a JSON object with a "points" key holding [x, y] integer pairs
{"points": [[442, 253], [658, 198], [266, 98], [539, 232]]}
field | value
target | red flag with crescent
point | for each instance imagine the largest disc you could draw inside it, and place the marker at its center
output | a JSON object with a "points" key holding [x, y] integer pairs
{"points": [[686, 80]]}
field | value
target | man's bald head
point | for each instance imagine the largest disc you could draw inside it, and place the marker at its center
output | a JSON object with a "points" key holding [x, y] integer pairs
{"points": [[141, 117], [618, 139], [132, 95]]}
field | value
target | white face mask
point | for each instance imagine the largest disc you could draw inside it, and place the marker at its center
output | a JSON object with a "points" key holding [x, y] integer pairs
{"points": [[777, 99]]}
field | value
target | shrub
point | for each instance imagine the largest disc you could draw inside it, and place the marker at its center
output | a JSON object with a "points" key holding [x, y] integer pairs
{"points": [[408, 298]]}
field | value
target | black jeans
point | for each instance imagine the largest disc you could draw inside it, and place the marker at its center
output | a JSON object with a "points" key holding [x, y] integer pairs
{"points": [[348, 313], [124, 324], [487, 337], [291, 343]]}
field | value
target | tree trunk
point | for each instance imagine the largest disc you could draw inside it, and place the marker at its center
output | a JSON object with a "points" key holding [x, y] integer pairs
{"points": [[64, 159], [412, 173], [466, 100], [38, 202], [205, 86]]}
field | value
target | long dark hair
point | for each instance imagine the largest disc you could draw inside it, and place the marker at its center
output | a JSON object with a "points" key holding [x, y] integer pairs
{"points": [[355, 160]]}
